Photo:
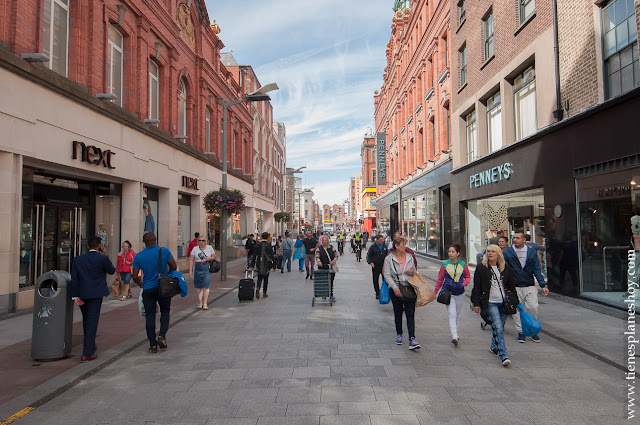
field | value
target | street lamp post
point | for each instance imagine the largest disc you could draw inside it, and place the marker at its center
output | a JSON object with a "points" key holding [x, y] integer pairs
{"points": [[257, 96]]}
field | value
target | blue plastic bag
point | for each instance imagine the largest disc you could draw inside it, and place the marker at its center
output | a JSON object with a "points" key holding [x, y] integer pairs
{"points": [[383, 296], [530, 325]]}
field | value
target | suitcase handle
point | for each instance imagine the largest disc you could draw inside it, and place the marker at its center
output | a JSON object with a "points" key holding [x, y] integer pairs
{"points": [[246, 274]]}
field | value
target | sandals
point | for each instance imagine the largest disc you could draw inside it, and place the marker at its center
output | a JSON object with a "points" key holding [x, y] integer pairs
{"points": [[123, 298], [205, 307], [199, 307]]}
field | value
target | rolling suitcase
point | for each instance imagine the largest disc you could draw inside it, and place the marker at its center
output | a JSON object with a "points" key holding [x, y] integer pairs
{"points": [[246, 288]]}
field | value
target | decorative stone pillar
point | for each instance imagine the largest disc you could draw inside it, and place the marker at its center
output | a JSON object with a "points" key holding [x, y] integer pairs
{"points": [[10, 218]]}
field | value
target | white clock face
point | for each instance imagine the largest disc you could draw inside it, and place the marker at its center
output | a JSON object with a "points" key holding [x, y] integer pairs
{"points": [[557, 211]]}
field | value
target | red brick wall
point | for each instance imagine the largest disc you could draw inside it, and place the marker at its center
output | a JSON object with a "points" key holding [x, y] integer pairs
{"points": [[420, 41], [506, 21], [144, 24]]}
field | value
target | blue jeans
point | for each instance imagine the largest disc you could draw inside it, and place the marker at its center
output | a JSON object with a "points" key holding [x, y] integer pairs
{"points": [[286, 259], [498, 318], [409, 308], [301, 263], [149, 298]]}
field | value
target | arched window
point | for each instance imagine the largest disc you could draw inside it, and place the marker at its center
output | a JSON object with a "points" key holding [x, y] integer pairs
{"points": [[182, 110]]}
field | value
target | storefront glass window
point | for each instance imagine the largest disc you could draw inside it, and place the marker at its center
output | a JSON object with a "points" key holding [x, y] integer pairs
{"points": [[609, 214], [510, 212], [405, 217], [107, 221], [411, 234], [421, 212], [184, 224], [433, 223], [150, 210]]}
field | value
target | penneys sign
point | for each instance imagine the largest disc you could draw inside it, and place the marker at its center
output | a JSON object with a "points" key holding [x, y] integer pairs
{"points": [[381, 144], [492, 175], [92, 155]]}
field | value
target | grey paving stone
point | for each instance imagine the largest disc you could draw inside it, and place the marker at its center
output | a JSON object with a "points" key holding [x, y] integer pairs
{"points": [[405, 419], [330, 394], [359, 382], [357, 371], [290, 420], [290, 383], [405, 407], [312, 409], [208, 412], [363, 407], [233, 421], [249, 383], [390, 394], [227, 374], [262, 395], [295, 395], [426, 419], [312, 372], [270, 373], [345, 420]]}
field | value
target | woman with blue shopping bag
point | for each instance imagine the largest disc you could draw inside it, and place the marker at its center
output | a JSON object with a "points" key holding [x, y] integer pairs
{"points": [[494, 295]]}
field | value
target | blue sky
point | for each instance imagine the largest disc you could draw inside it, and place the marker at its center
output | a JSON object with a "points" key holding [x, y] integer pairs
{"points": [[328, 57]]}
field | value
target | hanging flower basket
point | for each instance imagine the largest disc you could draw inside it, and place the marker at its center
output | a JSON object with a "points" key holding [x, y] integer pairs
{"points": [[281, 216], [229, 200]]}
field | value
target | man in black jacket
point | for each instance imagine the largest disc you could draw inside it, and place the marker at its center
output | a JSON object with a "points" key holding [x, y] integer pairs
{"points": [[375, 257], [263, 260], [249, 245]]}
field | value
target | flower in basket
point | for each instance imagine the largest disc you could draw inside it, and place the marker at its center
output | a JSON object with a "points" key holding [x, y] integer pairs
{"points": [[229, 200]]}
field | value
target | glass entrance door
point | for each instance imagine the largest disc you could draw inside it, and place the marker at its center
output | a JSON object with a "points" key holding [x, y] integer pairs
{"points": [[60, 234]]}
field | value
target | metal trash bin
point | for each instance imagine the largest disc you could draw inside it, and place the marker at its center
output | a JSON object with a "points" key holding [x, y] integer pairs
{"points": [[52, 316]]}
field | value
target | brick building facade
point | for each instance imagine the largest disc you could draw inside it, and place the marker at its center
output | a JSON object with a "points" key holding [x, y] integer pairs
{"points": [[110, 111]]}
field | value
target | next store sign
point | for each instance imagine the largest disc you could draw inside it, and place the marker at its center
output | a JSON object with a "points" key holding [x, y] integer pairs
{"points": [[492, 175]]}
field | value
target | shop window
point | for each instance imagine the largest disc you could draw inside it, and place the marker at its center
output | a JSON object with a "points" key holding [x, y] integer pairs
{"points": [[527, 7], [55, 34], [609, 241], [472, 137], [487, 26], [510, 212], [462, 53], [154, 90], [150, 210], [525, 103], [114, 64], [107, 225], [620, 47], [494, 123], [184, 224], [182, 109]]}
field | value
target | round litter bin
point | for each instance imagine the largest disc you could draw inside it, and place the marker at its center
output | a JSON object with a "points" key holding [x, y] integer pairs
{"points": [[52, 316]]}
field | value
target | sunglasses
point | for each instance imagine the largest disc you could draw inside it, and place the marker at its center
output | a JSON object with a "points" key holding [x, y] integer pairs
{"points": [[202, 240]]}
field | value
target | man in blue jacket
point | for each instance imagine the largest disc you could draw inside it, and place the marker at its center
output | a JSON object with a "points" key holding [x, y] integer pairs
{"points": [[524, 264], [88, 287]]}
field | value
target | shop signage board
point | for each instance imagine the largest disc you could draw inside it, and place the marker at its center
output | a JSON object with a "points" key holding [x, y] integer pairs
{"points": [[491, 176], [190, 182], [92, 154], [381, 143]]}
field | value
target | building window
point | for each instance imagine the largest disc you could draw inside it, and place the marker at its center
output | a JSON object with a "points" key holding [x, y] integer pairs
{"points": [[114, 64], [154, 90], [448, 128], [462, 8], [182, 110], [433, 138], [494, 123], [463, 65], [622, 72], [487, 25], [373, 176], [472, 137], [446, 52], [527, 7], [525, 103], [207, 128], [55, 34]]}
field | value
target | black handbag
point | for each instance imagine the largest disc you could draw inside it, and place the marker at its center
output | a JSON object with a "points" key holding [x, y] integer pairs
{"points": [[214, 266], [169, 286], [444, 297], [508, 305], [407, 293]]}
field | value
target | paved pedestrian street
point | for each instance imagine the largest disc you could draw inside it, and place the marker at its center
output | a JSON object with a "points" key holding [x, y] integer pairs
{"points": [[281, 361]]}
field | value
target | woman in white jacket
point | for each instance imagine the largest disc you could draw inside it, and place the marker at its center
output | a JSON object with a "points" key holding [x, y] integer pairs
{"points": [[398, 268]]}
